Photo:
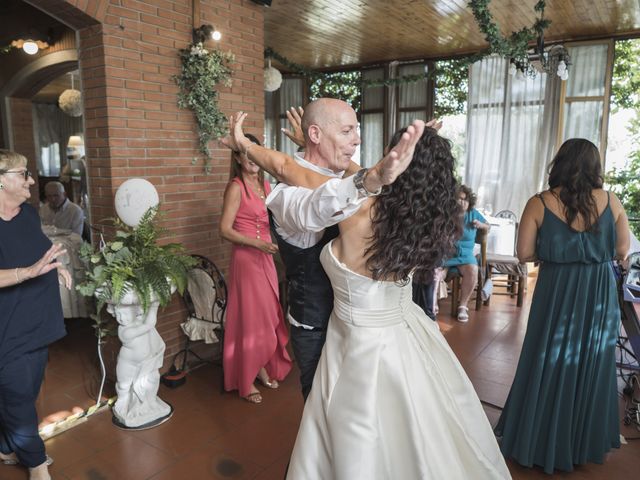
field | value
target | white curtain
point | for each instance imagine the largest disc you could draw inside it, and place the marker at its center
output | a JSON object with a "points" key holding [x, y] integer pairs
{"points": [[412, 95], [508, 139], [583, 116], [513, 124], [290, 96], [52, 126], [372, 124]]}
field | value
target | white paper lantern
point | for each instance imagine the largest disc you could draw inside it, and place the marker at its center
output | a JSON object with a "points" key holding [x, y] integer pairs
{"points": [[133, 198], [70, 102], [272, 79]]}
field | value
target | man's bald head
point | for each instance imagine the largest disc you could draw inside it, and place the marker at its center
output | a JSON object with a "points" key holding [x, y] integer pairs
{"points": [[322, 112], [330, 129], [54, 193], [53, 187]]}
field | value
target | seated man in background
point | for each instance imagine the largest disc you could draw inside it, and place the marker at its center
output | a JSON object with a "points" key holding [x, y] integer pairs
{"points": [[59, 210]]}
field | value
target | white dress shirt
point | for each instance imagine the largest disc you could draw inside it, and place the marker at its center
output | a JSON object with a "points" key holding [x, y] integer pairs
{"points": [[301, 215], [69, 216]]}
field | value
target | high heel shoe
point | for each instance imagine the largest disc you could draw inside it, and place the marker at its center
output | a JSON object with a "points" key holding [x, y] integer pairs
{"points": [[254, 398], [268, 383]]}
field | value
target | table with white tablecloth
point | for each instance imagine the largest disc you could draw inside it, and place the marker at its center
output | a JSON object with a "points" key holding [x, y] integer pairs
{"points": [[74, 305], [502, 236]]}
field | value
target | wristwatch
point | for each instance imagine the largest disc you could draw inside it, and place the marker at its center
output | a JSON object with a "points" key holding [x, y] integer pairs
{"points": [[358, 181]]}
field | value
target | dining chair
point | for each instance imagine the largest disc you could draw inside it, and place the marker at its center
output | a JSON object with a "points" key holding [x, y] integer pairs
{"points": [[506, 270], [206, 300]]}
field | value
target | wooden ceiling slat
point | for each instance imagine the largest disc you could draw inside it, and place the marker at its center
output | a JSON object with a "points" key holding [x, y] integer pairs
{"points": [[332, 33]]}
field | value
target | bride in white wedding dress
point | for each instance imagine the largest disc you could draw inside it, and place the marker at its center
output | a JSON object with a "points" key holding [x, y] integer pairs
{"points": [[389, 399]]}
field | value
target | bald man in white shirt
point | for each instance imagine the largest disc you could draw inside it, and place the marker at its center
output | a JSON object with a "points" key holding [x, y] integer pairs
{"points": [[305, 220]]}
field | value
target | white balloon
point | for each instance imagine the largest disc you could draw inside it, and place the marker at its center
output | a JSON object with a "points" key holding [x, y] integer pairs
{"points": [[133, 198], [272, 79]]}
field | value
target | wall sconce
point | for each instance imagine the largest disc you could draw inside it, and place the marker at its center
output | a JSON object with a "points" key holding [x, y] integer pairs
{"points": [[75, 147], [30, 46], [34, 41], [204, 33]]}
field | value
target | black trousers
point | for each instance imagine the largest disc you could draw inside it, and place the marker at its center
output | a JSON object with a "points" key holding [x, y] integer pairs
{"points": [[307, 347], [20, 382], [423, 296]]}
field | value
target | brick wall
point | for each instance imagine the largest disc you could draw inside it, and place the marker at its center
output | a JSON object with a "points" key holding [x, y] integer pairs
{"points": [[134, 128], [23, 141]]}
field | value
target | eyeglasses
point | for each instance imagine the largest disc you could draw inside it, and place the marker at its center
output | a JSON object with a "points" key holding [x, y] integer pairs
{"points": [[25, 173]]}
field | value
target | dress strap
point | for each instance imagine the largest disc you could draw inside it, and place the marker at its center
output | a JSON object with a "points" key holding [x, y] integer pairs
{"points": [[539, 195], [608, 198]]}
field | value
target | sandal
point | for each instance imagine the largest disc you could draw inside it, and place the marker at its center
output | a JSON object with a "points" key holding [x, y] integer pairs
{"points": [[15, 461], [268, 383], [254, 398], [463, 314]]}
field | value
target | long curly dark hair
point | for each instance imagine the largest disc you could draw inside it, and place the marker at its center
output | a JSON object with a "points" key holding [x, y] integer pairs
{"points": [[576, 170], [416, 220]]}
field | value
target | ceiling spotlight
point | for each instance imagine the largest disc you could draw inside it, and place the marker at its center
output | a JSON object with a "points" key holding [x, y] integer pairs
{"points": [[30, 47]]}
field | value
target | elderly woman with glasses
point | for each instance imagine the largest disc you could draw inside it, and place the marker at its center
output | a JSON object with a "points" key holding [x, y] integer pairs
{"points": [[31, 315]]}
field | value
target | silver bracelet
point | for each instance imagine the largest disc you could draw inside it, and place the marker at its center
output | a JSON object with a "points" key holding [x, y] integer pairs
{"points": [[17, 277]]}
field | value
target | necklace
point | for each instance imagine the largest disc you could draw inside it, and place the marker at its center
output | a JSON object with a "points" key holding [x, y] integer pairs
{"points": [[258, 190]]}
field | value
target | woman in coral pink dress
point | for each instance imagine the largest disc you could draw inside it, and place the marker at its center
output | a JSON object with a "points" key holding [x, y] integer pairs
{"points": [[255, 334]]}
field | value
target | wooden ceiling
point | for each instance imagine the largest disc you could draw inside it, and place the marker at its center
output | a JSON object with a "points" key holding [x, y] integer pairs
{"points": [[325, 34]]}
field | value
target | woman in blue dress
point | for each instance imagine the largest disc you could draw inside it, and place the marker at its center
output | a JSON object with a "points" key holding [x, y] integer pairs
{"points": [[562, 409], [465, 261]]}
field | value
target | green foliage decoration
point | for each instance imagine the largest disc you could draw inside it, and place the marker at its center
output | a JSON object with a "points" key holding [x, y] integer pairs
{"points": [[451, 87], [346, 86], [517, 44], [331, 81], [202, 70], [625, 94], [625, 183], [134, 261], [625, 85]]}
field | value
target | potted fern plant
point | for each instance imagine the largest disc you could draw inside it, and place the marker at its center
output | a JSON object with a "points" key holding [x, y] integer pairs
{"points": [[133, 275]]}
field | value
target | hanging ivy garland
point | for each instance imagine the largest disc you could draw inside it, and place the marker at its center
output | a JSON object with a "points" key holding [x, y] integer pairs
{"points": [[314, 75], [516, 47], [202, 70]]}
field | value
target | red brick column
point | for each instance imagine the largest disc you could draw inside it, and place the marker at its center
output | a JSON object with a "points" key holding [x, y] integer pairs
{"points": [[134, 128], [23, 141]]}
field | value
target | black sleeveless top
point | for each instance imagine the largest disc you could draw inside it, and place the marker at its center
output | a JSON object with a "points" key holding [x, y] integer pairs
{"points": [[30, 312]]}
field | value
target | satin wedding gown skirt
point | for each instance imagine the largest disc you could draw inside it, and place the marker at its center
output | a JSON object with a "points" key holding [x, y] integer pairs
{"points": [[389, 399]]}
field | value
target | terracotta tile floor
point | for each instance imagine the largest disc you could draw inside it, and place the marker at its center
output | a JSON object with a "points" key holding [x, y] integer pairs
{"points": [[217, 436]]}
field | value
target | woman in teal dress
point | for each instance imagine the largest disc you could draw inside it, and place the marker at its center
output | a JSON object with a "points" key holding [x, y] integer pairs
{"points": [[562, 409], [465, 261]]}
